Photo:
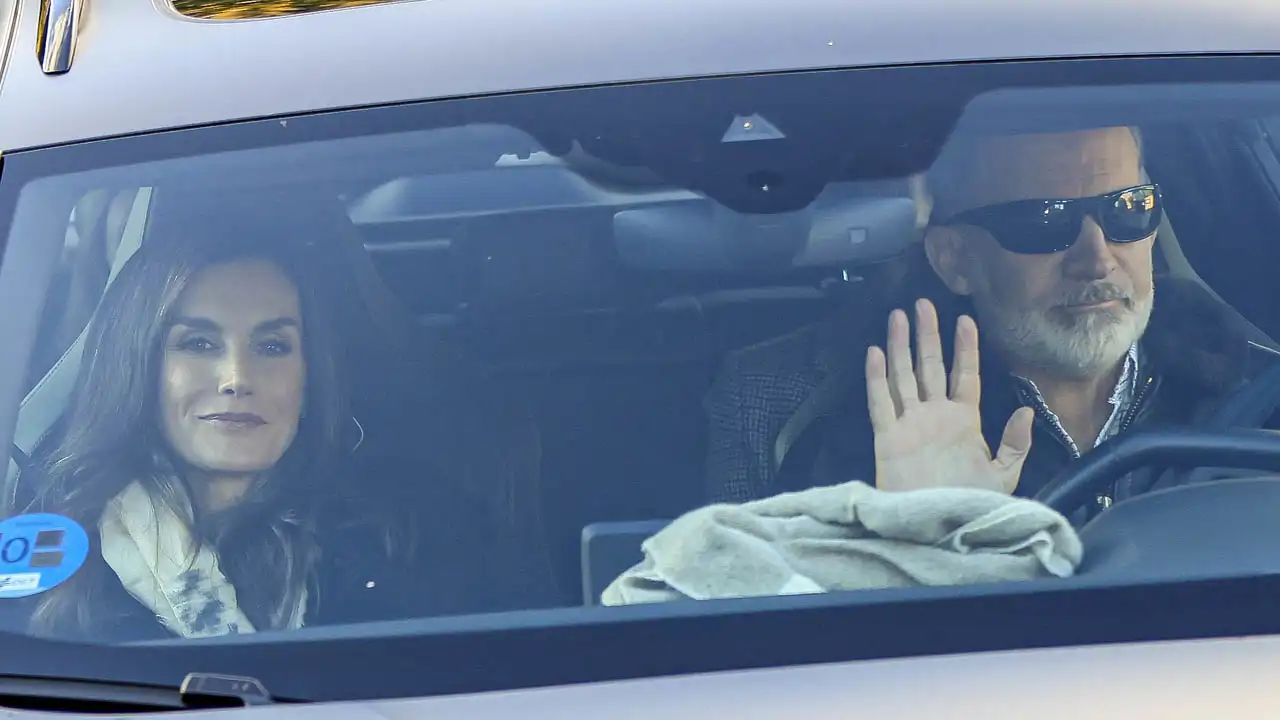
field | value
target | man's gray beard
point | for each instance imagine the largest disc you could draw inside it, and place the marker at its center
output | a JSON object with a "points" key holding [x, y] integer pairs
{"points": [[1092, 344]]}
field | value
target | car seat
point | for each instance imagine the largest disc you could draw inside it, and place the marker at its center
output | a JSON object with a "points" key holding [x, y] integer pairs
{"points": [[47, 400]]}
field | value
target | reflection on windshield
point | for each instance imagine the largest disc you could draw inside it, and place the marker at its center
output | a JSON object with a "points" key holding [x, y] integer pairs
{"points": [[250, 9], [491, 362]]}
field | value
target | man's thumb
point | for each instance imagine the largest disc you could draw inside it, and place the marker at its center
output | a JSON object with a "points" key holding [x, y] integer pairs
{"points": [[1015, 443]]}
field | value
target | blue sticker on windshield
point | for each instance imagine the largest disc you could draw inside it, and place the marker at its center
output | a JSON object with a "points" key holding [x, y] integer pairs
{"points": [[39, 552]]}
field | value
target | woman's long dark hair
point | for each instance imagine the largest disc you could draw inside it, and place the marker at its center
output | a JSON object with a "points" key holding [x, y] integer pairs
{"points": [[112, 437]]}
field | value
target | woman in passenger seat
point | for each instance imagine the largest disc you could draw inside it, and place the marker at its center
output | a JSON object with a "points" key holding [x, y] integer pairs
{"points": [[212, 455]]}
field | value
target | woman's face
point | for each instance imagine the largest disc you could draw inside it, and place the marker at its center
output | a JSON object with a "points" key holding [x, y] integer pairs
{"points": [[233, 375]]}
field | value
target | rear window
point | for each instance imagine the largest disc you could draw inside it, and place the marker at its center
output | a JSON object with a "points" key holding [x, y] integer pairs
{"points": [[473, 357]]}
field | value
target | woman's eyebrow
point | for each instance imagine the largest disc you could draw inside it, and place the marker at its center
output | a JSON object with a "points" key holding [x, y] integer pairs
{"points": [[276, 324], [196, 323]]}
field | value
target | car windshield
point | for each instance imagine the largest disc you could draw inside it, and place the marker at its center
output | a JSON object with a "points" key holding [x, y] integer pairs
{"points": [[638, 345]]}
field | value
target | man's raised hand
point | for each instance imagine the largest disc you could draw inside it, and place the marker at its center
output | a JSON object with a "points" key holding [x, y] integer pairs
{"points": [[928, 431]]}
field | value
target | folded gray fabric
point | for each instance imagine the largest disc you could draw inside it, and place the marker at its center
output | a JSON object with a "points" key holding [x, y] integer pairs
{"points": [[849, 537]]}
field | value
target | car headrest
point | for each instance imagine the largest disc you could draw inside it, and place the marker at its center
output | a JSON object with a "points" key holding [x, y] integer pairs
{"points": [[705, 237]]}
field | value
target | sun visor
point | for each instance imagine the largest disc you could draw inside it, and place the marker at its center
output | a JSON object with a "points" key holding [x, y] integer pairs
{"points": [[703, 236]]}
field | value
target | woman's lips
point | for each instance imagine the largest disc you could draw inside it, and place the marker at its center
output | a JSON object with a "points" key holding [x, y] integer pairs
{"points": [[234, 420]]}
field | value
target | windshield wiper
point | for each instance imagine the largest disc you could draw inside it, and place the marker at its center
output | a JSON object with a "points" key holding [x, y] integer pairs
{"points": [[199, 691]]}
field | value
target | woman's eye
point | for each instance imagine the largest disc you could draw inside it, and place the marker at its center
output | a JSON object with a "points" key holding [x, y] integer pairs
{"points": [[276, 347], [196, 345]]}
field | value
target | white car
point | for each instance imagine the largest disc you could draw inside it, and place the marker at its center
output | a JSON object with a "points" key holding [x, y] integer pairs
{"points": [[593, 204]]}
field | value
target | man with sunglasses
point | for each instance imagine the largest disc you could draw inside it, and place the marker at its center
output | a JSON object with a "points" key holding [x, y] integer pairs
{"points": [[1046, 240]]}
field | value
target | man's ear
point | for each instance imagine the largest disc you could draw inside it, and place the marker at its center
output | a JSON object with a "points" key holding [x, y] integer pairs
{"points": [[949, 257]]}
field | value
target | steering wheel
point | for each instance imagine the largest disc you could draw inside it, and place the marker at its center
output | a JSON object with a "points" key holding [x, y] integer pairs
{"points": [[1236, 448], [1250, 406]]}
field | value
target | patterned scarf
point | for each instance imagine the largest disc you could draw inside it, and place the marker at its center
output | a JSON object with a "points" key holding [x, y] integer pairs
{"points": [[151, 550]]}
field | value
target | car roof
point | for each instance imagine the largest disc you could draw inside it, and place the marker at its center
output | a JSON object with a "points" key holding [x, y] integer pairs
{"points": [[140, 66]]}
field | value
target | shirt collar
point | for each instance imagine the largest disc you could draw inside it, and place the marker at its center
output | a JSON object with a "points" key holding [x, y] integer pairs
{"points": [[1120, 397]]}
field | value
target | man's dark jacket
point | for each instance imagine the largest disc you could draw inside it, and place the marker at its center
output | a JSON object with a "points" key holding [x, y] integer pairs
{"points": [[1195, 351]]}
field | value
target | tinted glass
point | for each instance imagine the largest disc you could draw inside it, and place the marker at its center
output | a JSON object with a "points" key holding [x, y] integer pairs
{"points": [[463, 357]]}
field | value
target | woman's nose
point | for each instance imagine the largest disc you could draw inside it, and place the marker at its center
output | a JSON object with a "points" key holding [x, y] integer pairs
{"points": [[233, 375]]}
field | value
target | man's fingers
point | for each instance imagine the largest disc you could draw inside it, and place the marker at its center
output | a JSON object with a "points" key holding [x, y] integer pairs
{"points": [[966, 385], [879, 401], [902, 376], [929, 365], [1015, 444]]}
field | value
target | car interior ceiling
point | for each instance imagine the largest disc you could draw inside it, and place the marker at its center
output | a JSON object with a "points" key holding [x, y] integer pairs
{"points": [[612, 361]]}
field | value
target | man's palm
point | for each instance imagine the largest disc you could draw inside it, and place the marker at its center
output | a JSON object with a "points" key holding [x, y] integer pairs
{"points": [[926, 433]]}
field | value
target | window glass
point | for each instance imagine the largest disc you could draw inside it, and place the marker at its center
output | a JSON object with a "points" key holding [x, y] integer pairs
{"points": [[464, 357]]}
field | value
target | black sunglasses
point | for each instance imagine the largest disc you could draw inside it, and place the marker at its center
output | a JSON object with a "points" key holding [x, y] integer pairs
{"points": [[1038, 227]]}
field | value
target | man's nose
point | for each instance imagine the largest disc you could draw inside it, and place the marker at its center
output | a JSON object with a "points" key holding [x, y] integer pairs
{"points": [[1090, 258], [233, 374]]}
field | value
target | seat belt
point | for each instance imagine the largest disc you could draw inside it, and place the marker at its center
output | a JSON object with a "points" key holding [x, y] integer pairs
{"points": [[821, 401]]}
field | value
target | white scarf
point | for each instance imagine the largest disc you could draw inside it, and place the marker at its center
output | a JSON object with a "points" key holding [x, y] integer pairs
{"points": [[151, 550]]}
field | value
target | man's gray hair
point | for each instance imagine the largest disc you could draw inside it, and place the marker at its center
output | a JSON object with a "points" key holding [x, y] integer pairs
{"points": [[931, 189]]}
